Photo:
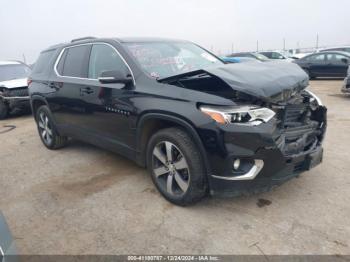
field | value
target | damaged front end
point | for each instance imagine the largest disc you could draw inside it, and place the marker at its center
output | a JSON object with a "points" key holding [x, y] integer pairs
{"points": [[14, 95], [14, 98], [271, 133], [301, 124]]}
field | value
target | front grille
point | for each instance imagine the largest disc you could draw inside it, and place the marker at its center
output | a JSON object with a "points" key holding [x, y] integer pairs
{"points": [[294, 114], [297, 132]]}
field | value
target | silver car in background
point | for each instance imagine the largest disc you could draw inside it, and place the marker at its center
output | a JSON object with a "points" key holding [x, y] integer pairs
{"points": [[13, 87]]}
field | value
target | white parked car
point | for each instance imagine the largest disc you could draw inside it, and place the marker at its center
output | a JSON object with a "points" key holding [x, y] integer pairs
{"points": [[13, 87]]}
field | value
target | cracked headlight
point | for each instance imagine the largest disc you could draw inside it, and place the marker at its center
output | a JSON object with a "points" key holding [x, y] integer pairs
{"points": [[249, 115]]}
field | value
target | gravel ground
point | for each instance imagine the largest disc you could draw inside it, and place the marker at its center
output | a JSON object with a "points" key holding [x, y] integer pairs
{"points": [[84, 200]]}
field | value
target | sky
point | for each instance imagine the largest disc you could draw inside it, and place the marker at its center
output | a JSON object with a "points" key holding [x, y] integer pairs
{"points": [[29, 26]]}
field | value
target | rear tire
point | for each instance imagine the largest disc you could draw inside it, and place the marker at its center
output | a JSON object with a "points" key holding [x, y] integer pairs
{"points": [[47, 129], [176, 166], [4, 109]]}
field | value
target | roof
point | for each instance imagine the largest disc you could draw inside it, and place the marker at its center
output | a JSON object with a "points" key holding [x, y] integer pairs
{"points": [[332, 52], [10, 63], [119, 39], [146, 39], [335, 47]]}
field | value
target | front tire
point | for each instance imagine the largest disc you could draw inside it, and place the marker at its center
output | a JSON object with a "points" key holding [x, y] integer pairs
{"points": [[176, 166], [47, 130], [4, 109]]}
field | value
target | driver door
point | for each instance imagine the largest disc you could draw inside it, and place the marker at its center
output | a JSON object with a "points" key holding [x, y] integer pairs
{"points": [[109, 105]]}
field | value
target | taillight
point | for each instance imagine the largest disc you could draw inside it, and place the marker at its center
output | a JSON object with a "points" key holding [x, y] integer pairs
{"points": [[29, 81]]}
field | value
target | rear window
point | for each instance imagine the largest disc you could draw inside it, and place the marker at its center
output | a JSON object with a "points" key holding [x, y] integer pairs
{"points": [[76, 61], [43, 62]]}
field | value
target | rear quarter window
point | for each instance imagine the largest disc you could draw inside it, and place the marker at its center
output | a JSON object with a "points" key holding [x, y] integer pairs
{"points": [[43, 62]]}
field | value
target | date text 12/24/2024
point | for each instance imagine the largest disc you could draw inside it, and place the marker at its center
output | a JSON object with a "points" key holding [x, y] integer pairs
{"points": [[173, 258]]}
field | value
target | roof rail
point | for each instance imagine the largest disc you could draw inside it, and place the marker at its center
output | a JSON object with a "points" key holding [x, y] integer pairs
{"points": [[83, 38]]}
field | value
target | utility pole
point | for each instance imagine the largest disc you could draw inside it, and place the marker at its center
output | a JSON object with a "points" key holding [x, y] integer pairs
{"points": [[317, 39], [284, 44], [298, 48], [257, 45]]}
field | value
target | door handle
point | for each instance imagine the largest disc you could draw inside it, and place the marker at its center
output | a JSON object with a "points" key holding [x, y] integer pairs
{"points": [[54, 85], [86, 90]]}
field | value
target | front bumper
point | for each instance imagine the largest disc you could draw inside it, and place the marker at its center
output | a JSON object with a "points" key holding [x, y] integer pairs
{"points": [[17, 97], [259, 144], [346, 85], [277, 170]]}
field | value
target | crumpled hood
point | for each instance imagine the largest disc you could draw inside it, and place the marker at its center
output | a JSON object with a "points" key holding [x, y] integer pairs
{"points": [[272, 81], [14, 83]]}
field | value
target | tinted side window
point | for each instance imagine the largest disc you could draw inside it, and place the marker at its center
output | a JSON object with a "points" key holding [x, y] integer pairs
{"points": [[267, 54], [76, 61], [42, 62], [104, 58], [336, 58], [276, 55], [316, 58]]}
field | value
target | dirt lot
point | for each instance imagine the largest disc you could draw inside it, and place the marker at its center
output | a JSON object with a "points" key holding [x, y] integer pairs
{"points": [[84, 200]]}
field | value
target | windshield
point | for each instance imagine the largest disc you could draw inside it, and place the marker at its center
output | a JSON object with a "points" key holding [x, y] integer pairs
{"points": [[10, 72], [165, 59]]}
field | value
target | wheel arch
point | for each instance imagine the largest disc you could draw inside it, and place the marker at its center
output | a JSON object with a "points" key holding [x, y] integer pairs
{"points": [[153, 122], [36, 101]]}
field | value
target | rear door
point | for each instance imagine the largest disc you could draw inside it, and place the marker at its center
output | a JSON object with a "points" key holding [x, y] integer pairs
{"points": [[67, 84], [337, 64]]}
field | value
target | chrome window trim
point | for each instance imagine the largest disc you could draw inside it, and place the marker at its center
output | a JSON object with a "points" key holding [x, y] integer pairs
{"points": [[92, 79], [2, 254]]}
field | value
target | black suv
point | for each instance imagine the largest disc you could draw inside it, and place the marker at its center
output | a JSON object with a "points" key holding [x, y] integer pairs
{"points": [[197, 124]]}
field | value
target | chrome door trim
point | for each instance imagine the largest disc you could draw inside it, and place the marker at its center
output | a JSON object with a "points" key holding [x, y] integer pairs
{"points": [[92, 79]]}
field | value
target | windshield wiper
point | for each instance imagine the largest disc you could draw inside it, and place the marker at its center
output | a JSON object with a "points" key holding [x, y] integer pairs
{"points": [[196, 76], [186, 75]]}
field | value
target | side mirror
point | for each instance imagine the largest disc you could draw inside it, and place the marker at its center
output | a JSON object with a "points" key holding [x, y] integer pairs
{"points": [[115, 77], [345, 61]]}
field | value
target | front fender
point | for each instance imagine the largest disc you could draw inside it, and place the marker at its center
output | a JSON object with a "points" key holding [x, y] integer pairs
{"points": [[177, 121]]}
